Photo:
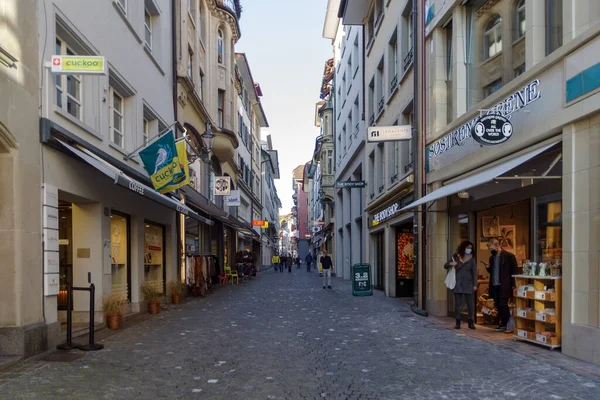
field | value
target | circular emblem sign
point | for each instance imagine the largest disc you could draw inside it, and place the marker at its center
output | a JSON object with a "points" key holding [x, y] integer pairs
{"points": [[492, 129]]}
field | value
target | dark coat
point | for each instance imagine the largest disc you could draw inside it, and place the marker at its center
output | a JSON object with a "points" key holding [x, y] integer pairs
{"points": [[508, 268], [466, 275]]}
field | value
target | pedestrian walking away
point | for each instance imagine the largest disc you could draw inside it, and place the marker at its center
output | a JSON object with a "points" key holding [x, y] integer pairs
{"points": [[465, 267], [297, 262], [282, 262], [289, 261], [275, 261], [308, 260], [327, 268], [502, 267]]}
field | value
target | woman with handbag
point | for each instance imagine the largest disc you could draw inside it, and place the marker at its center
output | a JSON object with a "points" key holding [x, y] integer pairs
{"points": [[465, 267]]}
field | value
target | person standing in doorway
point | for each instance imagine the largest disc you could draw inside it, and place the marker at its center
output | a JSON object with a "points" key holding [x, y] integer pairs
{"points": [[502, 267], [327, 268], [465, 267], [308, 260]]}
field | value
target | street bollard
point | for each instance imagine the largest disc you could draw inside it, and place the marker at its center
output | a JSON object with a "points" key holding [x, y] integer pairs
{"points": [[91, 346]]}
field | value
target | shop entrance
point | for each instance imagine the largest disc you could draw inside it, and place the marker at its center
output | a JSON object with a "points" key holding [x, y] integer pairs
{"points": [[379, 260], [119, 255], [154, 255], [405, 261]]}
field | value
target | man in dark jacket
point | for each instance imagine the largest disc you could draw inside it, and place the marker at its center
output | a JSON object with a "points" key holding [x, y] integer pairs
{"points": [[308, 260], [502, 266]]}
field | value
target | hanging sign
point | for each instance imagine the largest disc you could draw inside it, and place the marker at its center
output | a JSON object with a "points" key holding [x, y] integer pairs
{"points": [[492, 129], [162, 161], [222, 186], [183, 179], [389, 133], [78, 65], [234, 199], [259, 222], [350, 184]]}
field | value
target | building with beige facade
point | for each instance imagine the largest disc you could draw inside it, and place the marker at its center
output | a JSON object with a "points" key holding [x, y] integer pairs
{"points": [[23, 329], [388, 65], [533, 187]]}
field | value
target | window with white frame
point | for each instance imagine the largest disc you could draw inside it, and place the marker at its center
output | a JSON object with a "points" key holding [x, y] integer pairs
{"points": [[147, 28], [380, 87], [372, 101], [122, 5], [407, 43], [220, 47], [201, 23], [380, 167], [356, 61], [145, 132], [221, 108], [379, 11], [190, 66], [357, 117], [520, 20], [393, 61], [117, 118], [492, 37], [68, 87], [554, 25]]}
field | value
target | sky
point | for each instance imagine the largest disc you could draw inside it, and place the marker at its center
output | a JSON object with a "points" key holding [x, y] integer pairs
{"points": [[286, 52]]}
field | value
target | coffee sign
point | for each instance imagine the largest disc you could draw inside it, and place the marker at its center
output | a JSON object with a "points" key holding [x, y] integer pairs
{"points": [[492, 129]]}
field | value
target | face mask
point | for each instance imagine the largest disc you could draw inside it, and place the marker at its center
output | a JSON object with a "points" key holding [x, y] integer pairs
{"points": [[494, 252], [468, 251]]}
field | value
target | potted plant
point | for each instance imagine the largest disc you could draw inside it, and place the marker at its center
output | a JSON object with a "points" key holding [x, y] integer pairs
{"points": [[113, 305], [151, 295], [175, 290]]}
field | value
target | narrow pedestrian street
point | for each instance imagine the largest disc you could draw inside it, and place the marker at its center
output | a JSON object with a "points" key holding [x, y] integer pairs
{"points": [[281, 336]]}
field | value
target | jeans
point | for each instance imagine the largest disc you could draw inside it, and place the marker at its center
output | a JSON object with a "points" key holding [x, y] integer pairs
{"points": [[327, 277], [280, 267], [458, 302], [501, 305]]}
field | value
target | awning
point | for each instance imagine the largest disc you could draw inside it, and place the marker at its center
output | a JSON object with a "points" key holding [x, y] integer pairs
{"points": [[477, 179], [119, 178]]}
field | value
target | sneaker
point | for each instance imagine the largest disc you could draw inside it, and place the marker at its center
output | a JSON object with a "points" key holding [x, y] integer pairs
{"points": [[329, 287], [501, 329]]}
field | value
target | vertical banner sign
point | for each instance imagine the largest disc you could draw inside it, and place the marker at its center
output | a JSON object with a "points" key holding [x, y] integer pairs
{"points": [[182, 179], [162, 161], [51, 240]]}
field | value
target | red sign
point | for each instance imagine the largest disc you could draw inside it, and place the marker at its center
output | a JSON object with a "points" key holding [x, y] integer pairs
{"points": [[258, 222]]}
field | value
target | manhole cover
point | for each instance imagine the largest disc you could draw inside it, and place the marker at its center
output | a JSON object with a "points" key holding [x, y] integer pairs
{"points": [[62, 356]]}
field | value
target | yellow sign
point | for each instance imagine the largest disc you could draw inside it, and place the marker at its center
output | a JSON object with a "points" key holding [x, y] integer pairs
{"points": [[265, 225], [78, 65], [179, 180]]}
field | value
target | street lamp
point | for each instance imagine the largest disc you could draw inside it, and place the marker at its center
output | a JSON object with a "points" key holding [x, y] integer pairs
{"points": [[208, 139]]}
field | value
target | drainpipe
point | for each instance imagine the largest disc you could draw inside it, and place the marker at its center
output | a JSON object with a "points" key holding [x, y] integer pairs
{"points": [[424, 162], [174, 54]]}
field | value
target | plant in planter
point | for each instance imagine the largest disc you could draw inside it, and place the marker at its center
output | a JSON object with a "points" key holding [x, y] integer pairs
{"points": [[151, 295], [113, 308], [175, 290]]}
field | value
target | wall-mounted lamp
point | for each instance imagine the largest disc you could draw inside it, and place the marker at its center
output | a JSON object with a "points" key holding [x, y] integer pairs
{"points": [[463, 194], [208, 139]]}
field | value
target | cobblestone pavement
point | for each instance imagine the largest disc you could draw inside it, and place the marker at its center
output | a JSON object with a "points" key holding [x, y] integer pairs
{"points": [[281, 336]]}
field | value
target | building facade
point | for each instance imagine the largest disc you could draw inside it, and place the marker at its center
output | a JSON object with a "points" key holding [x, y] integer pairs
{"points": [[388, 101], [536, 188], [350, 134], [271, 240], [23, 329]]}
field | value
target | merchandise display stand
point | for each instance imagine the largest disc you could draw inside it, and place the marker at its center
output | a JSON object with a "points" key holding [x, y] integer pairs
{"points": [[538, 310]]}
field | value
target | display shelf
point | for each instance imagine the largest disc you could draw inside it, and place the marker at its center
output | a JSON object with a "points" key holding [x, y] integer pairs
{"points": [[538, 311]]}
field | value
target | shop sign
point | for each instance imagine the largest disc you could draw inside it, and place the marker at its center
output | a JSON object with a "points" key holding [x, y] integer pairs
{"points": [[390, 211], [78, 65], [222, 186], [389, 133], [234, 199], [513, 103], [492, 129], [51, 262], [162, 163], [361, 280], [307, 236], [258, 222], [51, 284], [350, 184]]}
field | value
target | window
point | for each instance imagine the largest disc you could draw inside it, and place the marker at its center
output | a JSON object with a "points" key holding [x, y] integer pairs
{"points": [[371, 29], [220, 47], [407, 45], [68, 87], [449, 85], [240, 124], [201, 23], [191, 5], [201, 85], [519, 70], [554, 16], [355, 113], [492, 37], [380, 167], [147, 28], [379, 9], [393, 61], [355, 55], [520, 20], [380, 87], [117, 118], [221, 108], [372, 100], [122, 5], [190, 69], [492, 88], [330, 169], [145, 131]]}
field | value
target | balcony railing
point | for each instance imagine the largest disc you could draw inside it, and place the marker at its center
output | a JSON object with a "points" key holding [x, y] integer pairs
{"points": [[381, 188], [408, 167], [394, 178], [408, 60], [356, 129], [372, 195], [233, 6], [380, 105], [372, 120], [394, 84]]}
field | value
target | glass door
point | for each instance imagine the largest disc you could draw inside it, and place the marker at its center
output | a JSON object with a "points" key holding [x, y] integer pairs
{"points": [[379, 262], [119, 255], [154, 255]]}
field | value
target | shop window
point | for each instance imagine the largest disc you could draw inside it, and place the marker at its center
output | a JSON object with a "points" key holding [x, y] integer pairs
{"points": [[119, 255], [492, 37], [520, 19], [154, 255], [549, 231]]}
